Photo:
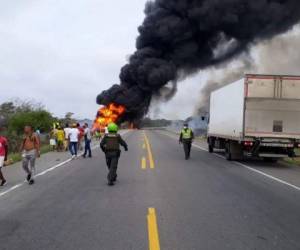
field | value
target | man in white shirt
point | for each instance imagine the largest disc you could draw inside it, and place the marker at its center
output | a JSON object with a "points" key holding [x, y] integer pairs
{"points": [[66, 142], [87, 140], [73, 140]]}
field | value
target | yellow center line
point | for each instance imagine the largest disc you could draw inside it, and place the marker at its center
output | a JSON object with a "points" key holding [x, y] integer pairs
{"points": [[153, 230], [144, 164], [144, 145], [150, 156]]}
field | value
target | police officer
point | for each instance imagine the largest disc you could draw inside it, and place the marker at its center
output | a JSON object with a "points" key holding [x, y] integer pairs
{"points": [[110, 145], [186, 138]]}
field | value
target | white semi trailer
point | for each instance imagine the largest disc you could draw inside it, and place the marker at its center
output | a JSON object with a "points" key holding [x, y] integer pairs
{"points": [[257, 116]]}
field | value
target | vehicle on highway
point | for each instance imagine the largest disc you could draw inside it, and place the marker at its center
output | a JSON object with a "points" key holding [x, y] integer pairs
{"points": [[256, 116]]}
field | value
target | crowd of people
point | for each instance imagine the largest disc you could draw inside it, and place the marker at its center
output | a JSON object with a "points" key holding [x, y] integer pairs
{"points": [[73, 138]]}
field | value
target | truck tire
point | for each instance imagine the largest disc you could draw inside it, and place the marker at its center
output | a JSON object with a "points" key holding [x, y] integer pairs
{"points": [[228, 154], [210, 142], [270, 160]]}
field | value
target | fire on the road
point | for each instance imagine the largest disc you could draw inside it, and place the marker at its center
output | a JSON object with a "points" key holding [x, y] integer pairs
{"points": [[108, 114]]}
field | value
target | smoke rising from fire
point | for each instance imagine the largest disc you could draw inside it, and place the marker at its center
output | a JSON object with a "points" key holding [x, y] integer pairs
{"points": [[275, 56], [221, 77], [180, 37]]}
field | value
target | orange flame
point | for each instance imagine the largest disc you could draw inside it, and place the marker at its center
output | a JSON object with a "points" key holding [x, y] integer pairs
{"points": [[108, 114]]}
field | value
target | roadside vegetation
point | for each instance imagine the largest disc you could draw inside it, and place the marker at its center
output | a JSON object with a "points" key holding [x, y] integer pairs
{"points": [[16, 114], [294, 161]]}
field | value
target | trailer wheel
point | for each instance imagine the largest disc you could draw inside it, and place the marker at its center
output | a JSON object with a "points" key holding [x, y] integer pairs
{"points": [[210, 142], [228, 154], [270, 160]]}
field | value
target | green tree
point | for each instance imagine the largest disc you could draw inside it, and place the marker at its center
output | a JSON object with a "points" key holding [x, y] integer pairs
{"points": [[7, 109], [41, 119], [67, 119]]}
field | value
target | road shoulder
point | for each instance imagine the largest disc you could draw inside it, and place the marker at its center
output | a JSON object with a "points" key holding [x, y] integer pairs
{"points": [[280, 172]]}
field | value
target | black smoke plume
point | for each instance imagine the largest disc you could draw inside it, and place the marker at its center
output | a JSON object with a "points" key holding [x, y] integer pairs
{"points": [[180, 37]]}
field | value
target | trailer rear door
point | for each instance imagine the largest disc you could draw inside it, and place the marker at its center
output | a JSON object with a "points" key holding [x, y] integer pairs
{"points": [[290, 87], [272, 106]]}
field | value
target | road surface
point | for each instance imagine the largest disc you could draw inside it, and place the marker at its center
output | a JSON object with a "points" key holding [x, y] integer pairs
{"points": [[160, 201]]}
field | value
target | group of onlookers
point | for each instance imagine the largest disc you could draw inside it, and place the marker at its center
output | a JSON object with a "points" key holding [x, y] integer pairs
{"points": [[65, 138], [62, 139]]}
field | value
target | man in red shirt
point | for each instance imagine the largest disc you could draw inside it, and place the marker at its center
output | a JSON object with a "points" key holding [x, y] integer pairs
{"points": [[3, 155], [81, 135]]}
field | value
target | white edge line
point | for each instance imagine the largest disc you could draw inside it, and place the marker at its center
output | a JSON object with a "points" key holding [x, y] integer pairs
{"points": [[267, 175], [11, 189], [247, 167], [47, 171]]}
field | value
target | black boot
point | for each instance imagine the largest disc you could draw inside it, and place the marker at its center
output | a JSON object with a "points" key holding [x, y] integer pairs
{"points": [[110, 183]]}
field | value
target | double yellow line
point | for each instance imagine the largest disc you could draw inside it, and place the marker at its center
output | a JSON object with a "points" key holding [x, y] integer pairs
{"points": [[147, 146]]}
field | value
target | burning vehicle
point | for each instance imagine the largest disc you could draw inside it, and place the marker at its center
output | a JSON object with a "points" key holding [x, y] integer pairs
{"points": [[120, 104], [179, 38], [108, 114]]}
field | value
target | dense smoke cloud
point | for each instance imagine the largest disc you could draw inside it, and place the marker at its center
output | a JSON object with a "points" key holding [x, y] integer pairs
{"points": [[279, 55], [221, 77], [274, 56], [180, 37]]}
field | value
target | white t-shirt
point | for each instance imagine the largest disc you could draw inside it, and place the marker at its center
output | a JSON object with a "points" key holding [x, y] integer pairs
{"points": [[87, 133], [1, 161], [73, 134], [67, 131]]}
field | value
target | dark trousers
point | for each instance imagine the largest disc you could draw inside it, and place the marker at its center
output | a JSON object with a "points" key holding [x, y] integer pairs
{"points": [[187, 145], [87, 148], [112, 159], [73, 148]]}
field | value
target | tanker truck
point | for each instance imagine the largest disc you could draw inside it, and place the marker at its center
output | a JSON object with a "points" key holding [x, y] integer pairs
{"points": [[256, 116]]}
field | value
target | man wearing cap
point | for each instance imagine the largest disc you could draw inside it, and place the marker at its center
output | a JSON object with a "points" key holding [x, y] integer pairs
{"points": [[186, 138], [110, 145]]}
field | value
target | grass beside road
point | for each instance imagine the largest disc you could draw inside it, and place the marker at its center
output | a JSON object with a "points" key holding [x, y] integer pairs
{"points": [[294, 161], [16, 157]]}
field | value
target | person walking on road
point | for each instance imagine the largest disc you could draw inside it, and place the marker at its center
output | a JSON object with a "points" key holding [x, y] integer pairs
{"points": [[30, 149], [66, 141], [87, 140], [81, 136], [60, 136], [73, 140], [186, 138], [3, 155], [110, 145]]}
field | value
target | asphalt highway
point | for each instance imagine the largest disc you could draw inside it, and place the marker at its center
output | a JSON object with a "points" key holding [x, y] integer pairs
{"points": [[160, 201]]}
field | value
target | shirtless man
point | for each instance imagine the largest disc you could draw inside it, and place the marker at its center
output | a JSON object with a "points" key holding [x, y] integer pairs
{"points": [[30, 149]]}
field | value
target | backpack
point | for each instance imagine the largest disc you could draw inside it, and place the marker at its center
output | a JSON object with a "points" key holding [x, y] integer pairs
{"points": [[112, 142]]}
